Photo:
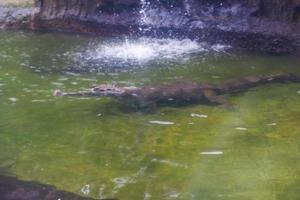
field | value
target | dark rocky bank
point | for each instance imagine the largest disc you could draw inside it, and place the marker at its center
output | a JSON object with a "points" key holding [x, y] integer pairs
{"points": [[261, 25]]}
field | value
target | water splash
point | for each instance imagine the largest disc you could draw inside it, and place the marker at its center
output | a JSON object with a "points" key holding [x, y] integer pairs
{"points": [[144, 19], [141, 51], [122, 55], [118, 55], [145, 49]]}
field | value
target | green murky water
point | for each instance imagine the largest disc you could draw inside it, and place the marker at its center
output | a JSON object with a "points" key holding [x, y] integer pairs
{"points": [[98, 148]]}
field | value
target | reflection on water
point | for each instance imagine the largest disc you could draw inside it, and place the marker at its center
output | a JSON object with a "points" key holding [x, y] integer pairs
{"points": [[101, 149]]}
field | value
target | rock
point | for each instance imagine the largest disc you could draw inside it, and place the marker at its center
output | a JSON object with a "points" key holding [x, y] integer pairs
{"points": [[13, 189], [261, 25], [16, 18]]}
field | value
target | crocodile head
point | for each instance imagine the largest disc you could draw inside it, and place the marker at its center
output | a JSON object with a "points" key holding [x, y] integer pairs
{"points": [[107, 90]]}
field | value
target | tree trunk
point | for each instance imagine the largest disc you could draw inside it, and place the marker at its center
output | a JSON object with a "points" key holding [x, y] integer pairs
{"points": [[60, 8], [85, 8]]}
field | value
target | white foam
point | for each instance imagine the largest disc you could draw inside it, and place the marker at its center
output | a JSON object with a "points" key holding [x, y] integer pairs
{"points": [[87, 79], [169, 162], [211, 153], [144, 19], [38, 100], [199, 115], [57, 83], [162, 122], [241, 128], [219, 47], [147, 196], [13, 99], [173, 194], [143, 50], [120, 182], [139, 52], [83, 98], [101, 191], [63, 79]]}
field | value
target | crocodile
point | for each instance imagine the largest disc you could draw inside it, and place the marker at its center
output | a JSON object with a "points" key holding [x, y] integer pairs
{"points": [[181, 92]]}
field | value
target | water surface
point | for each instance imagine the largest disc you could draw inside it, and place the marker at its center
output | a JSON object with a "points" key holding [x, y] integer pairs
{"points": [[100, 148]]}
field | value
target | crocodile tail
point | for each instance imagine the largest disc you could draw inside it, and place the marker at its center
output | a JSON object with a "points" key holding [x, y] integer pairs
{"points": [[281, 78], [234, 86]]}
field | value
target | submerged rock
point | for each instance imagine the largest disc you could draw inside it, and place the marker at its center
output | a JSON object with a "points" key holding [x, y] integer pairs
{"points": [[16, 18], [14, 189]]}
